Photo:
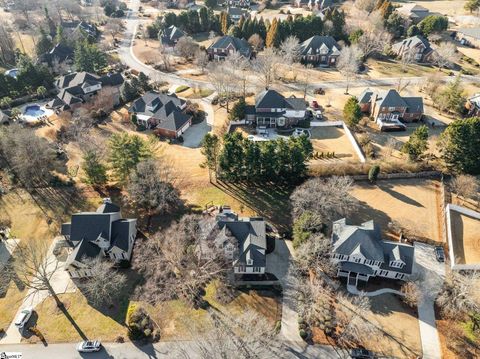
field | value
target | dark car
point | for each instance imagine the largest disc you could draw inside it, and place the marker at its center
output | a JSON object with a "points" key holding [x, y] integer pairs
{"points": [[359, 353], [440, 254], [319, 91]]}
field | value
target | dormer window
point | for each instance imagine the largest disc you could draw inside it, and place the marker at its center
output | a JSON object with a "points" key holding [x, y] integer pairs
{"points": [[396, 264], [249, 262]]}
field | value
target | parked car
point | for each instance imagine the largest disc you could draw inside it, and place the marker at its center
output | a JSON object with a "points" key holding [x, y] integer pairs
{"points": [[315, 104], [300, 132], [89, 346], [23, 317], [318, 114], [439, 254], [319, 91], [359, 353]]}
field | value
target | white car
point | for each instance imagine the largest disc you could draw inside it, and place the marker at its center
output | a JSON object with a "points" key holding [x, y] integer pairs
{"points": [[23, 317], [89, 346], [301, 132], [318, 114]]}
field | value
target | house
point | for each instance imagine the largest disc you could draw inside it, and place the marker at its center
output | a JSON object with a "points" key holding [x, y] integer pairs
{"points": [[79, 87], [473, 105], [314, 4], [163, 113], [237, 3], [75, 29], [102, 233], [320, 50], [227, 45], [237, 13], [361, 253], [180, 4], [390, 110], [469, 36], [86, 2], [274, 110], [243, 241], [171, 35], [60, 54], [417, 47], [414, 12]]}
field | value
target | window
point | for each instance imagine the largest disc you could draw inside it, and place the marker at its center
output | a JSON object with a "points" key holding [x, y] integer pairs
{"points": [[257, 269], [357, 260], [249, 262], [391, 109]]}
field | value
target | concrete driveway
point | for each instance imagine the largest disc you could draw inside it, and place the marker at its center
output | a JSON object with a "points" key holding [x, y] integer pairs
{"points": [[194, 135], [432, 274]]}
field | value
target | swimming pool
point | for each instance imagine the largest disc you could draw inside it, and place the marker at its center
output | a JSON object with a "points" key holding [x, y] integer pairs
{"points": [[33, 111]]}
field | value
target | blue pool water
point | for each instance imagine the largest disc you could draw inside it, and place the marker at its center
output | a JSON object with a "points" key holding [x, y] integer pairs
{"points": [[34, 111]]}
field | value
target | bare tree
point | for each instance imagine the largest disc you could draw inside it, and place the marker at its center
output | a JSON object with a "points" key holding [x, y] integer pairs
{"points": [[330, 198], [290, 50], [151, 188], [407, 58], [239, 65], [366, 5], [31, 167], [374, 41], [165, 57], [114, 27], [315, 255], [34, 267], [445, 55], [186, 47], [266, 65], [7, 45], [412, 295], [459, 294], [104, 284], [466, 186], [432, 84], [349, 62], [352, 319], [223, 78], [173, 265], [201, 59], [256, 41]]}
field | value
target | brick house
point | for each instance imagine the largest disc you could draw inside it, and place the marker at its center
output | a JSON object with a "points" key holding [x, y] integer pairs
{"points": [[227, 45], [417, 47], [320, 50]]}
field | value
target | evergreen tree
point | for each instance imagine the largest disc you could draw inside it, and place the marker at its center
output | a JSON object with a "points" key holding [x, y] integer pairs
{"points": [[169, 19], [44, 44], [252, 160], [268, 161], [414, 31], [211, 150], [261, 29], [433, 24], [126, 151], [231, 157], [95, 170], [60, 35], [417, 144], [352, 112], [452, 98], [373, 173], [211, 3], [128, 92], [144, 82], [460, 146], [238, 110], [273, 39], [204, 19], [88, 57], [50, 24]]}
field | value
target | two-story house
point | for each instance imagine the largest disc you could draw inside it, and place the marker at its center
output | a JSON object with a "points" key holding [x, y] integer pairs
{"points": [[469, 36], [320, 50], [473, 105], [390, 110], [227, 45], [102, 233], [171, 35], [415, 13], [163, 113], [243, 240], [416, 47], [274, 110], [361, 253], [80, 87], [236, 13], [237, 3]]}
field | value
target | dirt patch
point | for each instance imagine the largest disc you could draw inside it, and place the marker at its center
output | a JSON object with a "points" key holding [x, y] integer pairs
{"points": [[466, 238], [412, 203], [332, 140]]}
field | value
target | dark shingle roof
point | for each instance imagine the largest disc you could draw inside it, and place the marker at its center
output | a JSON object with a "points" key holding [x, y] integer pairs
{"points": [[59, 53], [391, 99], [171, 34], [239, 45], [365, 96], [415, 104], [316, 44], [472, 32], [89, 226], [122, 230], [84, 249], [411, 42], [273, 99], [236, 11]]}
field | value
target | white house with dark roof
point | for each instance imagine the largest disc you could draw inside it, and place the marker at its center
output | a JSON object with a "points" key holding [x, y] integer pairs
{"points": [[102, 233], [320, 50], [163, 113], [243, 241], [227, 45], [274, 110], [361, 253]]}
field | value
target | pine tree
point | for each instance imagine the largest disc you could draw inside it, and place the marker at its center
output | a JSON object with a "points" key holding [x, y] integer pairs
{"points": [[60, 35], [126, 151], [273, 39], [95, 170], [44, 44], [352, 112], [417, 144]]}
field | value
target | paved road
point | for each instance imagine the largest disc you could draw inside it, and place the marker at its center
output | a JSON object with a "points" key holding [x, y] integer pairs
{"points": [[165, 350], [432, 275]]}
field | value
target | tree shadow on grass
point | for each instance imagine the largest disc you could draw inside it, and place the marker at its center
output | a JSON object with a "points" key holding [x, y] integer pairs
{"points": [[268, 200]]}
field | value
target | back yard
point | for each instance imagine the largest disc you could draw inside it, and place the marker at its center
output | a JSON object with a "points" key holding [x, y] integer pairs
{"points": [[414, 204]]}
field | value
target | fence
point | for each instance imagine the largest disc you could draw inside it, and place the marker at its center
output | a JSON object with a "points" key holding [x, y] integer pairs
{"points": [[402, 175]]}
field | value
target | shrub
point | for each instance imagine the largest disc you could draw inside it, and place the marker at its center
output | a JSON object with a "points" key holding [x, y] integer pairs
{"points": [[119, 339], [303, 334], [373, 173], [278, 326], [181, 88], [139, 324]]}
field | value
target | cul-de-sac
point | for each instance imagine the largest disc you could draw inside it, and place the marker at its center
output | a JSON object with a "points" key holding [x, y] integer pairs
{"points": [[239, 179]]}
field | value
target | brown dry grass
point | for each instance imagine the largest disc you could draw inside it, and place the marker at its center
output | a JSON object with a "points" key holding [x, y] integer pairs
{"points": [[414, 204], [332, 139], [466, 237]]}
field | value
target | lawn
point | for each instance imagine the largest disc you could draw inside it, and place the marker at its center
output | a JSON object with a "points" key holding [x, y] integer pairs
{"points": [[332, 140], [466, 238], [413, 203]]}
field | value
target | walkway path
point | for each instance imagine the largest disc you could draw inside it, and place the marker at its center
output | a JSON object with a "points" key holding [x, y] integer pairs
{"points": [[61, 283], [432, 275], [353, 290], [6, 249]]}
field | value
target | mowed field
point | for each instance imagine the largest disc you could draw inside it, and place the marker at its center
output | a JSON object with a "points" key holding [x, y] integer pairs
{"points": [[412, 203], [466, 238]]}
